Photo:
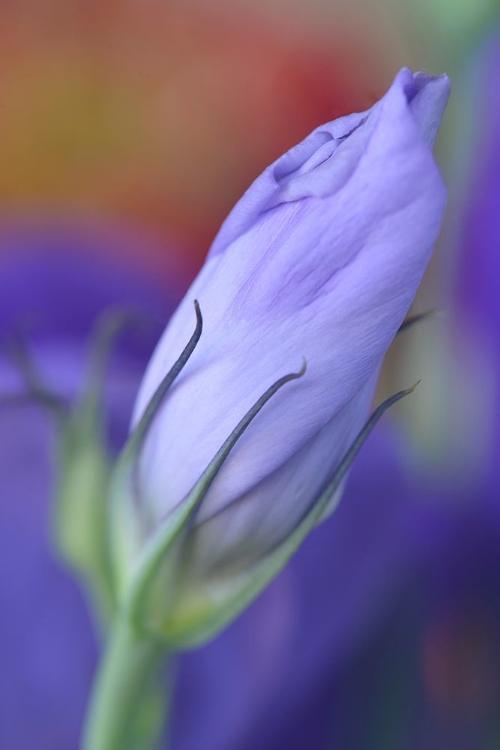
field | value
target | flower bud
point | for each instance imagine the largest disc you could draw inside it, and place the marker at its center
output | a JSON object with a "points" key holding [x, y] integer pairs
{"points": [[320, 260]]}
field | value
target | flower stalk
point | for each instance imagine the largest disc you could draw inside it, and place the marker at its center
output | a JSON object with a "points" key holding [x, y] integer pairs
{"points": [[120, 715]]}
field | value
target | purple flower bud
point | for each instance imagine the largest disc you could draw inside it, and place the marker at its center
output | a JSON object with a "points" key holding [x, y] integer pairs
{"points": [[321, 259]]}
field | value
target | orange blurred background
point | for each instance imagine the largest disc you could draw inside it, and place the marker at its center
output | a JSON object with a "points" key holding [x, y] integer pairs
{"points": [[158, 115]]}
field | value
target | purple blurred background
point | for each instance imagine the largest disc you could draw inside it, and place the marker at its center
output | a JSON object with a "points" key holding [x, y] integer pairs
{"points": [[127, 131]]}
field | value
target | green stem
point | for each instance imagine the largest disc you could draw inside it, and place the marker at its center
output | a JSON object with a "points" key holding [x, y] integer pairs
{"points": [[123, 685]]}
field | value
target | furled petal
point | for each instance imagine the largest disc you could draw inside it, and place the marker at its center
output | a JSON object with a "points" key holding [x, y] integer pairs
{"points": [[47, 644], [321, 260]]}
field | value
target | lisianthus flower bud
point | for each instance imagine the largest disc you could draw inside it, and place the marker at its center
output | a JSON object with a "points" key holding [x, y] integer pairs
{"points": [[321, 260]]}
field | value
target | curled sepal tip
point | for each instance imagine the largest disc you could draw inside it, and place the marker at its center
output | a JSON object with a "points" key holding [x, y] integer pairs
{"points": [[126, 528], [137, 438], [412, 320], [209, 475]]}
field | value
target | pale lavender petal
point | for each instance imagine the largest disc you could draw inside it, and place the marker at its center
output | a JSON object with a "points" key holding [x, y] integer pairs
{"points": [[325, 268]]}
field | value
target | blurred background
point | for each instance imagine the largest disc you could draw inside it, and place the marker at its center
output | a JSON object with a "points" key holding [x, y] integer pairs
{"points": [[128, 129]]}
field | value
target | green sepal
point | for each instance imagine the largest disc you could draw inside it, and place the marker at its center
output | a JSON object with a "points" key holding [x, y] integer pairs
{"points": [[81, 511], [196, 616], [129, 533], [153, 585], [79, 516], [81, 506]]}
